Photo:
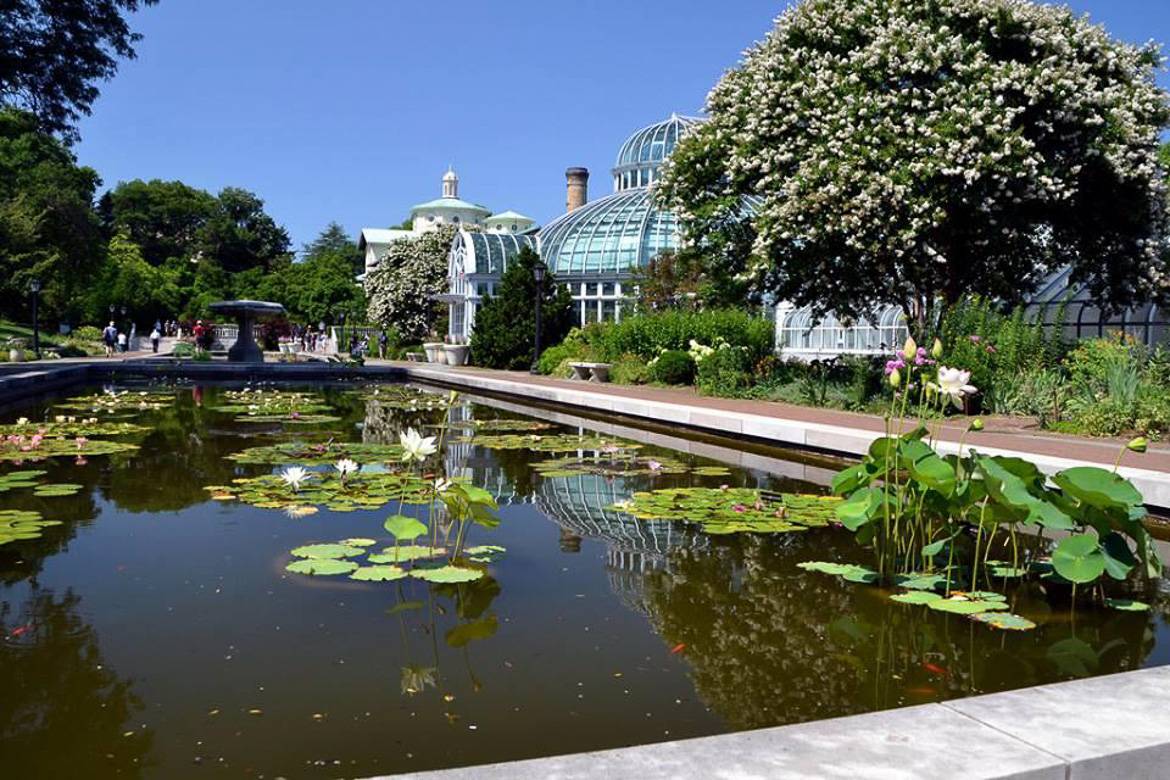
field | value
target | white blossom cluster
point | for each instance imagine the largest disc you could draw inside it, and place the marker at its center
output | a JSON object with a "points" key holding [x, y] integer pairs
{"points": [[399, 291], [905, 149]]}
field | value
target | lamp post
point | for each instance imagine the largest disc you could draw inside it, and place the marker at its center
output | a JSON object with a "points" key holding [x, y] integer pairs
{"points": [[341, 345], [538, 274], [34, 287]]}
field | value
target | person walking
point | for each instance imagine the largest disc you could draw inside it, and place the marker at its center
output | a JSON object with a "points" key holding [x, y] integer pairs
{"points": [[383, 342], [155, 335], [199, 332], [110, 338], [122, 342]]}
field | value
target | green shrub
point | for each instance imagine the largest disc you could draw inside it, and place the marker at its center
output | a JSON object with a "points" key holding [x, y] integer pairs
{"points": [[726, 372], [568, 351], [649, 335], [87, 333], [1091, 363], [183, 350], [629, 370], [673, 367]]}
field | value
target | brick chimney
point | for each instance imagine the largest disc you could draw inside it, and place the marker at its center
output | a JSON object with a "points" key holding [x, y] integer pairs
{"points": [[578, 188]]}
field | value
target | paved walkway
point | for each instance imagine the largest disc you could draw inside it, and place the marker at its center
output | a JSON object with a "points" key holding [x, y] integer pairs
{"points": [[1000, 432]]}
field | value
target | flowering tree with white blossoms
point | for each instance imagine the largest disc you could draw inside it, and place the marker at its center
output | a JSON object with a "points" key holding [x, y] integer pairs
{"points": [[399, 290], [910, 150]]}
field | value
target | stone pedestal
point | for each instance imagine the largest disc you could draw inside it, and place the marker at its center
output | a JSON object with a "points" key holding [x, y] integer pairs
{"points": [[246, 350]]}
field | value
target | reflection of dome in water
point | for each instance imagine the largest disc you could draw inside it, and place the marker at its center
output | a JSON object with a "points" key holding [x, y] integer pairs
{"points": [[578, 505]]}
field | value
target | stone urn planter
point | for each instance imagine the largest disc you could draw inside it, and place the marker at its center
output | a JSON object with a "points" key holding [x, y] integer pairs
{"points": [[457, 354], [434, 350], [16, 351]]}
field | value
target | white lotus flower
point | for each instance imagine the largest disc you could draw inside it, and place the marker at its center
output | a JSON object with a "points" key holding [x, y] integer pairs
{"points": [[415, 447], [955, 384], [22, 421], [443, 485], [294, 476], [346, 467]]}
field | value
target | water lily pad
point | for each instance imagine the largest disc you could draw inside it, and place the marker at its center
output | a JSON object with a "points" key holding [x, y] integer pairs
{"points": [[981, 595], [447, 574], [325, 453], [732, 510], [404, 528], [294, 418], [17, 525], [924, 582], [406, 553], [123, 402], [359, 541], [1004, 620], [916, 597], [1127, 605], [364, 490], [321, 566], [563, 442], [962, 606], [57, 490], [485, 553], [378, 574], [321, 551]]}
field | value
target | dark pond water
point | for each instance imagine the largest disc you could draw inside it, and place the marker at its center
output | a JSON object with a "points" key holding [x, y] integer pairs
{"points": [[156, 633]]}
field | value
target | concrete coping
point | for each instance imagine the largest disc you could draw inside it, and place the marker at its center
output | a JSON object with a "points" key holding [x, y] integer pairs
{"points": [[1115, 726]]}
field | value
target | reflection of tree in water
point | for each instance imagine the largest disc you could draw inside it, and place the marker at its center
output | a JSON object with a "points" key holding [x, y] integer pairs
{"points": [[769, 644], [63, 711], [24, 559]]}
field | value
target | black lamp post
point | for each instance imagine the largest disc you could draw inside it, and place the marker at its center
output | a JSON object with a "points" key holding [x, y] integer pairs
{"points": [[341, 345], [34, 287], [538, 274]]}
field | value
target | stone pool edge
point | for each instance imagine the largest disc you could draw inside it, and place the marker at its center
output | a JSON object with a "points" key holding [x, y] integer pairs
{"points": [[1100, 728], [836, 439]]}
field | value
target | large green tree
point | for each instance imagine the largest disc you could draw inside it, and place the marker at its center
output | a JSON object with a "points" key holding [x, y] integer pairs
{"points": [[401, 289], [165, 219], [148, 292], [53, 53], [317, 287], [335, 241], [48, 228], [906, 151], [505, 325]]}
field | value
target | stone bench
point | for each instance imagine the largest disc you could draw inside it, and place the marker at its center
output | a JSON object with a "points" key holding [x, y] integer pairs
{"points": [[592, 372]]}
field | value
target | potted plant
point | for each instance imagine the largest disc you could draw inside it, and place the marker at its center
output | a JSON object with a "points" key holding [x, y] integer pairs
{"points": [[16, 350], [456, 353], [434, 349]]}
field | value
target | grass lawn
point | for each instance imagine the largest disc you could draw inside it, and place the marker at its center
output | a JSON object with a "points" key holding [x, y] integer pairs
{"points": [[11, 330]]}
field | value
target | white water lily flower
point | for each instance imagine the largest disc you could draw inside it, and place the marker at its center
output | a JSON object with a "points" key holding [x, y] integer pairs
{"points": [[443, 485], [23, 421], [295, 476], [346, 467], [415, 446], [954, 383]]}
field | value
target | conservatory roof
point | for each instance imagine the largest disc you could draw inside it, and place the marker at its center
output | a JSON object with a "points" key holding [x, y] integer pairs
{"points": [[610, 235], [489, 253], [514, 216], [650, 146], [381, 236]]}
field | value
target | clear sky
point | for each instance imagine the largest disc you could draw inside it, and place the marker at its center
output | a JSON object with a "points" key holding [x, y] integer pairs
{"points": [[351, 110]]}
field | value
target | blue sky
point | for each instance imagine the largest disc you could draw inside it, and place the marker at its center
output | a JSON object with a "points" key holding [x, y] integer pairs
{"points": [[351, 110]]}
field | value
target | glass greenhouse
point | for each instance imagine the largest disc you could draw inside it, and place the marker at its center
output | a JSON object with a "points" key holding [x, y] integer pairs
{"points": [[591, 249]]}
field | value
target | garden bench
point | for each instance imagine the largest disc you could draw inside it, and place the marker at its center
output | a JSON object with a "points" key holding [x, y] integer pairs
{"points": [[592, 372]]}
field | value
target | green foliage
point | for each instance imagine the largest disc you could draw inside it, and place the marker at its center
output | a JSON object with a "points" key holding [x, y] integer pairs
{"points": [[630, 370], [55, 53], [875, 185], [725, 372], [505, 324], [671, 280], [649, 335], [148, 292], [400, 289], [48, 229], [673, 367], [732, 510]]}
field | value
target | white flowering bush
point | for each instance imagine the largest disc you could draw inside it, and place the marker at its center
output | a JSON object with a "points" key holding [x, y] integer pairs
{"points": [[906, 150], [400, 289]]}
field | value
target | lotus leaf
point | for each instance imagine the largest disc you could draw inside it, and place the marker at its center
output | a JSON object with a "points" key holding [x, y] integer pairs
{"points": [[321, 566], [406, 553], [404, 528], [126, 401], [447, 574], [60, 448], [327, 551], [22, 525], [328, 453], [1079, 558], [1004, 620], [915, 597], [1004, 570], [467, 633], [848, 571], [732, 510], [916, 581], [563, 442], [378, 574], [963, 606], [1127, 605], [485, 553], [359, 542], [1098, 487], [364, 491]]}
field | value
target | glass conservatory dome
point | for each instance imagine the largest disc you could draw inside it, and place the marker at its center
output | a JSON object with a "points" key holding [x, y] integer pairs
{"points": [[624, 230]]}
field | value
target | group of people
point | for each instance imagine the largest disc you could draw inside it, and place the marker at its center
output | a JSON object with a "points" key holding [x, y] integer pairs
{"points": [[118, 340]]}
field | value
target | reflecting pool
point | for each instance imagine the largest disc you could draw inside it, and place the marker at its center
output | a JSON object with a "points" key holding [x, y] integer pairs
{"points": [[156, 631]]}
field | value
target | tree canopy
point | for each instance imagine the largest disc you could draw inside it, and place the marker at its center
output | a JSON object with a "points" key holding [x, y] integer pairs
{"points": [[903, 152], [54, 52], [48, 229], [401, 289], [505, 325]]}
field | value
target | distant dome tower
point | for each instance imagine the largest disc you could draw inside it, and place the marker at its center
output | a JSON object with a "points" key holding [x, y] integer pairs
{"points": [[450, 183]]}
